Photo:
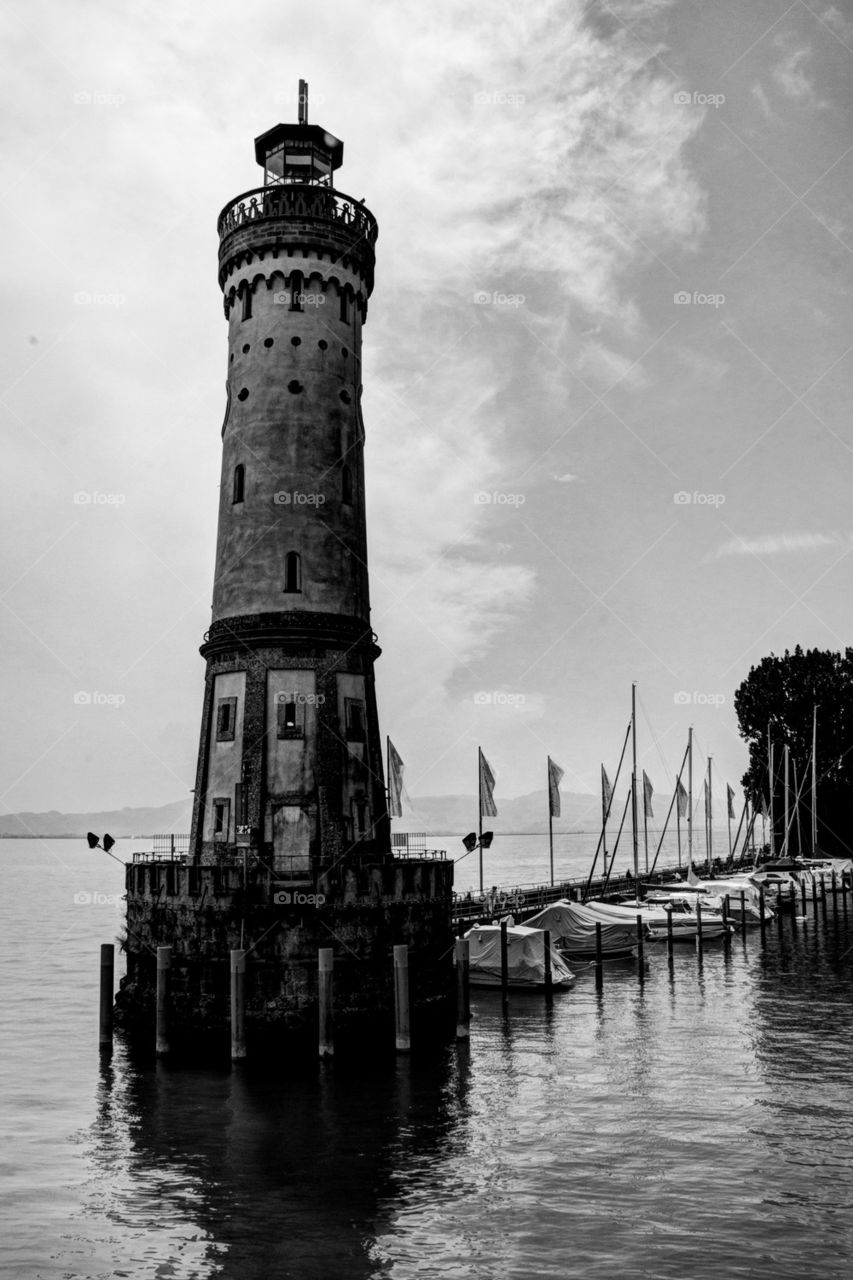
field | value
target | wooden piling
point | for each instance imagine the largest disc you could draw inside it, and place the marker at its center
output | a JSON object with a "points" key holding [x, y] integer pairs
{"points": [[238, 1005], [743, 914], [105, 1030], [599, 965], [803, 895], [823, 896], [325, 991], [699, 929], [463, 1001], [641, 962], [164, 992], [834, 895], [669, 938], [504, 962], [401, 998], [793, 908], [762, 922], [814, 897], [548, 976]]}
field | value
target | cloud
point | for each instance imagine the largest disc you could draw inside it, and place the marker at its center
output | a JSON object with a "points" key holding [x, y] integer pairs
{"points": [[763, 101], [779, 543], [790, 75]]}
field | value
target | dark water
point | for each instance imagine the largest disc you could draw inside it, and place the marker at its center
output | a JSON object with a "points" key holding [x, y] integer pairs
{"points": [[698, 1124]]}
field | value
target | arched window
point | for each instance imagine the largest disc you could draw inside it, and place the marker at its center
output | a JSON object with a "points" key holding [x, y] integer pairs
{"points": [[293, 571], [247, 302], [344, 306], [239, 482], [346, 485], [296, 287]]}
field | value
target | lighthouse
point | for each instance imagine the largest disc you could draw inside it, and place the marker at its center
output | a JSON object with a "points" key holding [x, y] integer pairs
{"points": [[290, 760], [291, 872]]}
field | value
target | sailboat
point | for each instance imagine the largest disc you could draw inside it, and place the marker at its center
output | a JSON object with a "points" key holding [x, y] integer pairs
{"points": [[661, 918]]}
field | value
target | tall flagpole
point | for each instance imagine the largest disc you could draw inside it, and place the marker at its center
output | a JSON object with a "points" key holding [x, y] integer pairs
{"points": [[729, 819], [690, 797], [710, 817], [550, 822], [480, 810], [645, 826], [634, 783]]}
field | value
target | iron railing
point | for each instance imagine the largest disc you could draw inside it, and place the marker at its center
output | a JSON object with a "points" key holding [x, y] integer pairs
{"points": [[297, 200]]}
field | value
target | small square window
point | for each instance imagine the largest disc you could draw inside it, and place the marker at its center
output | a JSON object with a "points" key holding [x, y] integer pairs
{"points": [[226, 719]]}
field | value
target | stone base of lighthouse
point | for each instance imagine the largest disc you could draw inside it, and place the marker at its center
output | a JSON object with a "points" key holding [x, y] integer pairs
{"points": [[361, 912], [290, 766]]}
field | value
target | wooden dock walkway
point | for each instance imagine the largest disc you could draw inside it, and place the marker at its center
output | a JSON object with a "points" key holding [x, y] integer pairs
{"points": [[522, 901]]}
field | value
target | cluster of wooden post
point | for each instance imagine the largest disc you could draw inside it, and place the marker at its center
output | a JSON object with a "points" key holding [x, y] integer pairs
{"points": [[325, 986]]}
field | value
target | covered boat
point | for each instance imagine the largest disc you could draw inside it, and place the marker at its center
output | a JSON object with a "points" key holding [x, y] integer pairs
{"points": [[572, 927], [685, 924], [525, 957]]}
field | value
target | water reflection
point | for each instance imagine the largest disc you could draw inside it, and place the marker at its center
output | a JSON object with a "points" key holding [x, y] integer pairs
{"points": [[257, 1173]]}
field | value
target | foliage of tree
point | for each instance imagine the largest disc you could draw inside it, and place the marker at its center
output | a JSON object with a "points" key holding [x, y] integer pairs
{"points": [[780, 693]]}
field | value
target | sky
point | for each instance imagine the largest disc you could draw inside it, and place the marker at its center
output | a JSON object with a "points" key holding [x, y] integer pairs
{"points": [[606, 366]]}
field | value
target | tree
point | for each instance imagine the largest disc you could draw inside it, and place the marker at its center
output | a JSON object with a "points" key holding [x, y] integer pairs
{"points": [[780, 693]]}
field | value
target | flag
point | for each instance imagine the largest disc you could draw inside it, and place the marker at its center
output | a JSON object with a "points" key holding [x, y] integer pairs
{"points": [[681, 798], [606, 790], [648, 792], [487, 787], [555, 773], [395, 781], [730, 799]]}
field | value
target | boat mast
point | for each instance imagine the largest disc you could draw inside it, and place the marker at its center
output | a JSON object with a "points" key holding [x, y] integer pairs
{"points": [[772, 806], [634, 784], [787, 801], [690, 797], [814, 780]]}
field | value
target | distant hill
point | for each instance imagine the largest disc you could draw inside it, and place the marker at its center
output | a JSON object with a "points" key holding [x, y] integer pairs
{"points": [[118, 822], [434, 815], [452, 815]]}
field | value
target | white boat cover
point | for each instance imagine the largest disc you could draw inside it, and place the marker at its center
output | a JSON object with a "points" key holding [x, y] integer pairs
{"points": [[684, 923], [572, 928], [525, 957]]}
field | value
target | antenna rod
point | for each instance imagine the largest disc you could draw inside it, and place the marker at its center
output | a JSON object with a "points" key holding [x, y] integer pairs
{"points": [[303, 102]]}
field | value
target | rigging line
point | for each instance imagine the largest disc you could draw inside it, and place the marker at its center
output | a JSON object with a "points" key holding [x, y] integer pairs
{"points": [[607, 812], [655, 742]]}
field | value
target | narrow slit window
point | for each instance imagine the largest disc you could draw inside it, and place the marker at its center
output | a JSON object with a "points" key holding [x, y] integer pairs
{"points": [[355, 720], [290, 717], [344, 306], [239, 482], [226, 719], [220, 819], [293, 572], [296, 287], [247, 303]]}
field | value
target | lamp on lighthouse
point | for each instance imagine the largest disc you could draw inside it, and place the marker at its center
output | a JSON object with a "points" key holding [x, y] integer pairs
{"points": [[301, 152]]}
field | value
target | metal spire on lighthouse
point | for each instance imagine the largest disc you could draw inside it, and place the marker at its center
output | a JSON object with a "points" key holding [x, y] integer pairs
{"points": [[303, 101]]}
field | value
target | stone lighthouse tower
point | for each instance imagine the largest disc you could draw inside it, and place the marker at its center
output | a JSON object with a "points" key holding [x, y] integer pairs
{"points": [[290, 761]]}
